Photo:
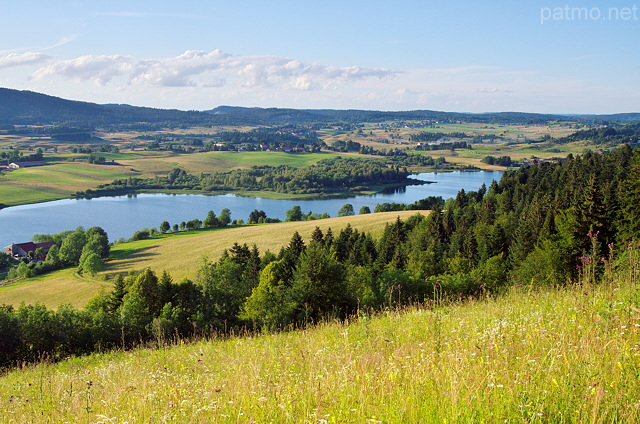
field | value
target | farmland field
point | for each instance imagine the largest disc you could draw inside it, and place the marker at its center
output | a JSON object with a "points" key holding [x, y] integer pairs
{"points": [[52, 290], [56, 181]]}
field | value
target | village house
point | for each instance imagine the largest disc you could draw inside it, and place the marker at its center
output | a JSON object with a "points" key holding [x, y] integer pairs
{"points": [[21, 250], [17, 165]]}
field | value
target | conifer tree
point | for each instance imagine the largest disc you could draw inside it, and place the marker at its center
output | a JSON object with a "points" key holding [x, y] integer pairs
{"points": [[629, 222]]}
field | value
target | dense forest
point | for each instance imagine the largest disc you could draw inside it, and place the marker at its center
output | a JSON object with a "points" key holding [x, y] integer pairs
{"points": [[271, 137], [607, 135], [543, 224]]}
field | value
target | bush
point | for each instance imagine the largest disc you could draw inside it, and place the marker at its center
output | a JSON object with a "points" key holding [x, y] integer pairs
{"points": [[140, 235]]}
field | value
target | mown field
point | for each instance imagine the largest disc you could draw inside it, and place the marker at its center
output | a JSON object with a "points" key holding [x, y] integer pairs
{"points": [[568, 355], [53, 289], [56, 181], [180, 254]]}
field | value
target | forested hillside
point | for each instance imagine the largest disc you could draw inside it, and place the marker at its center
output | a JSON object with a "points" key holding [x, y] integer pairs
{"points": [[31, 108]]}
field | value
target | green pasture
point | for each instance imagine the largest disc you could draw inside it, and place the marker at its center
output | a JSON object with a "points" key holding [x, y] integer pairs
{"points": [[296, 160], [57, 181], [11, 195]]}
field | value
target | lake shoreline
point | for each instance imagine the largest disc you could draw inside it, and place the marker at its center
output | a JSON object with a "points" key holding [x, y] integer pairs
{"points": [[241, 193], [122, 215]]}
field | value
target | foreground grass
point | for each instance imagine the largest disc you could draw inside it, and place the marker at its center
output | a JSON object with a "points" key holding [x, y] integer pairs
{"points": [[568, 355]]}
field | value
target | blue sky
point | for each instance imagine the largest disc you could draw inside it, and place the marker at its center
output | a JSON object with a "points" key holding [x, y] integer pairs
{"points": [[468, 56]]}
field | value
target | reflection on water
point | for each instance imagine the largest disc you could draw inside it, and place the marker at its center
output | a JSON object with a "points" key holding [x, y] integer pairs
{"points": [[394, 190], [121, 216]]}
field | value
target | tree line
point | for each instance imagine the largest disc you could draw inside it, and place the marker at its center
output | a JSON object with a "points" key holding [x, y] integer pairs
{"points": [[16, 155], [610, 135], [500, 161]]}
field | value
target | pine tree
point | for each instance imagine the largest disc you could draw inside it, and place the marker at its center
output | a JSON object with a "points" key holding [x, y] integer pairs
{"points": [[629, 221], [118, 293], [317, 236]]}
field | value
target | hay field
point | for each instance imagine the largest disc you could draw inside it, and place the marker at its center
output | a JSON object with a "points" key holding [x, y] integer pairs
{"points": [[53, 289], [181, 254], [56, 181]]}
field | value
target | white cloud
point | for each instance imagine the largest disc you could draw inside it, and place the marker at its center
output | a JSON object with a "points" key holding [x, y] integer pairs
{"points": [[275, 81], [208, 69], [23, 59], [99, 69]]}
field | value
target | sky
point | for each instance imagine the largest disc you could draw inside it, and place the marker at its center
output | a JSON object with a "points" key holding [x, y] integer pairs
{"points": [[554, 56]]}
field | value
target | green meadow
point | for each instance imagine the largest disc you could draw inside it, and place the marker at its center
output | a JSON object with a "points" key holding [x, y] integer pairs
{"points": [[565, 355], [52, 182], [270, 158]]}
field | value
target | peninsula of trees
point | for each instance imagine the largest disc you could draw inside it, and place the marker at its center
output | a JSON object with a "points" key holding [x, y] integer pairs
{"points": [[329, 176]]}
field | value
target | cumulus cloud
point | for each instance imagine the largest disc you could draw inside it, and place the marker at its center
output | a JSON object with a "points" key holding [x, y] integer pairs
{"points": [[23, 59], [208, 69], [100, 69]]}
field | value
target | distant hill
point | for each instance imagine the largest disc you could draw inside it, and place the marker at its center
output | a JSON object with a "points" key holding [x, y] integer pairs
{"points": [[279, 116], [274, 116], [617, 117], [31, 108]]}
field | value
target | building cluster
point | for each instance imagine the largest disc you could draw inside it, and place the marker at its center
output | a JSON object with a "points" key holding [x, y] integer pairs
{"points": [[33, 251]]}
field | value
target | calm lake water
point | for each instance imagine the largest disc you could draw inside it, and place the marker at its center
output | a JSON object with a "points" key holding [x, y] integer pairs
{"points": [[121, 216]]}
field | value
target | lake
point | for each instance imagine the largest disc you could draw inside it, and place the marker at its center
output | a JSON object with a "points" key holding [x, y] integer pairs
{"points": [[121, 216]]}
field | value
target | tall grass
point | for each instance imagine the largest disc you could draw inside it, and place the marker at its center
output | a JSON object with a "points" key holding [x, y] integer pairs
{"points": [[570, 354]]}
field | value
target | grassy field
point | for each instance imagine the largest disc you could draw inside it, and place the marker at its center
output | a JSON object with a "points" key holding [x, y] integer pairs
{"points": [[556, 356], [60, 180], [180, 254], [54, 289], [57, 181]]}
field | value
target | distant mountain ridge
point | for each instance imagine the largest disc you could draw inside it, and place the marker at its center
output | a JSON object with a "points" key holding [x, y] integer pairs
{"points": [[31, 108]]}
